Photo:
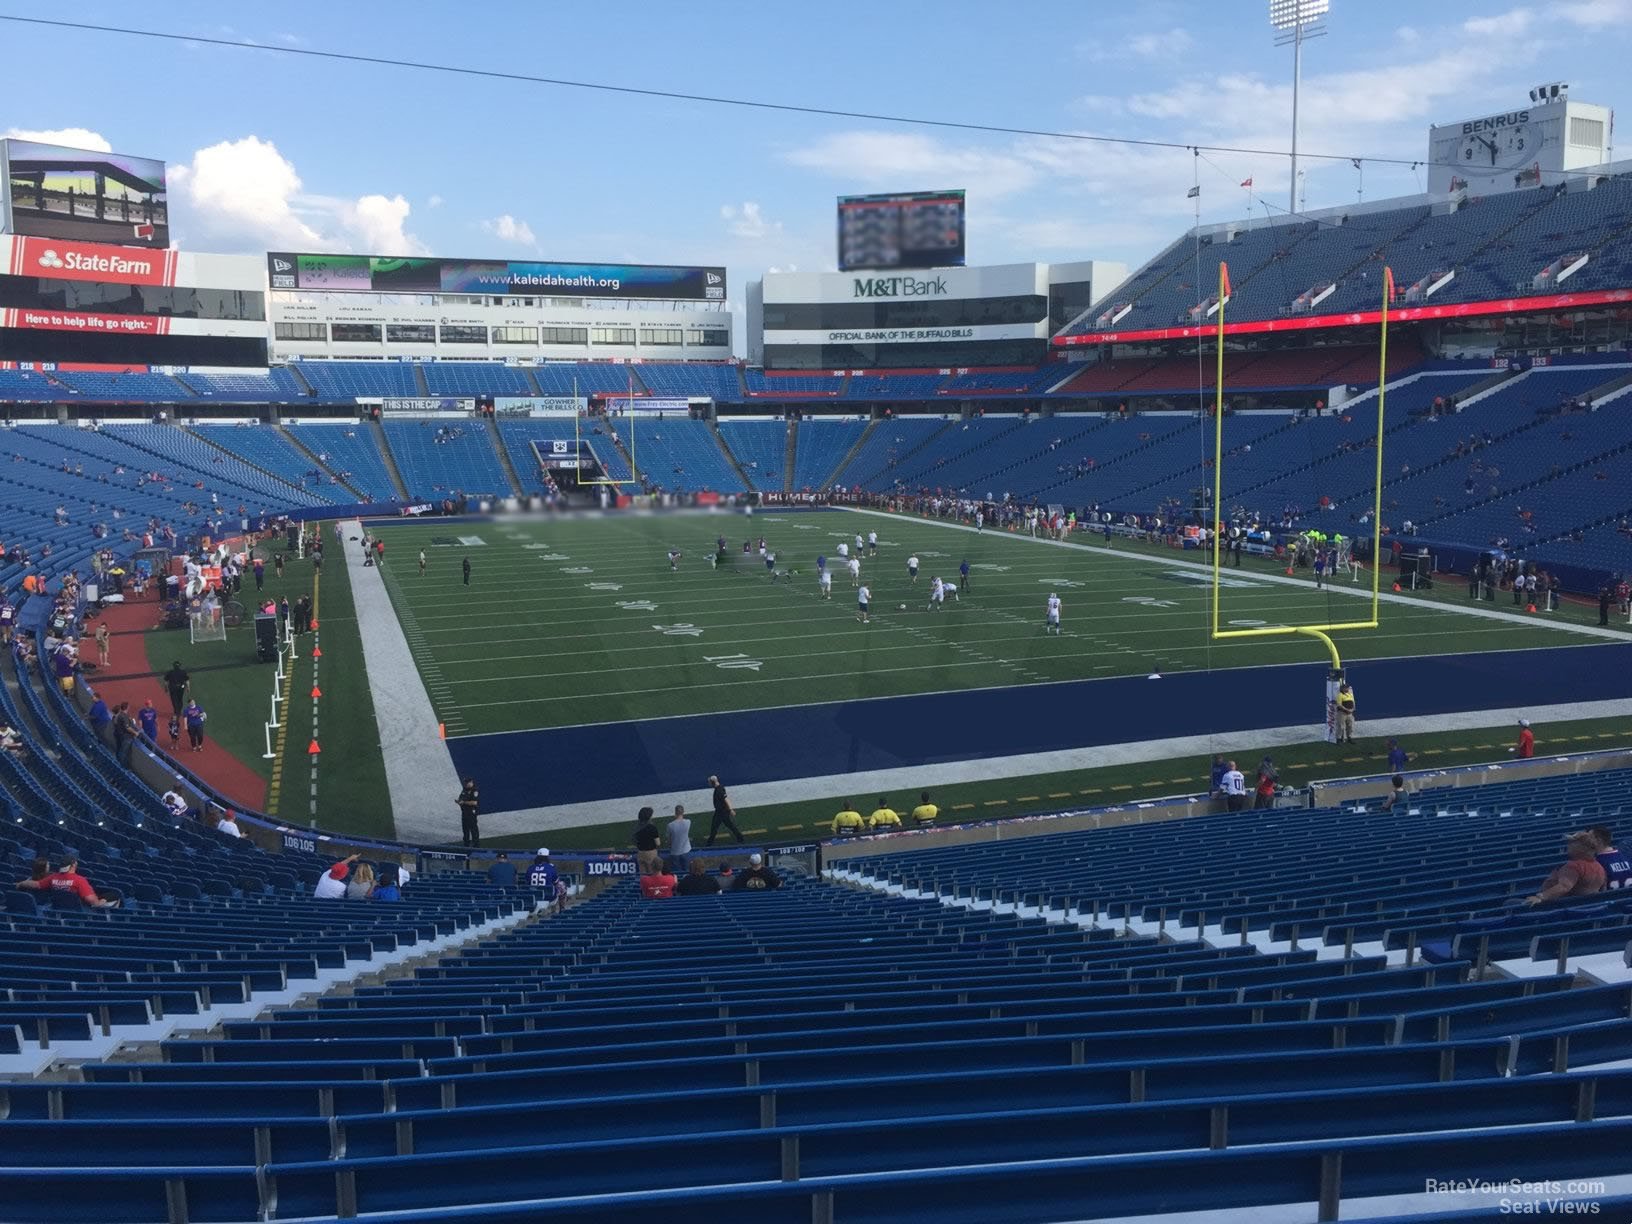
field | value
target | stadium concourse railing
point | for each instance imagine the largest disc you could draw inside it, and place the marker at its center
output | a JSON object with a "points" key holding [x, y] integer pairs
{"points": [[1328, 792]]}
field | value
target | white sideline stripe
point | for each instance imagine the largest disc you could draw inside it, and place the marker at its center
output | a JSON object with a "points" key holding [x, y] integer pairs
{"points": [[419, 772], [1354, 591], [911, 779]]}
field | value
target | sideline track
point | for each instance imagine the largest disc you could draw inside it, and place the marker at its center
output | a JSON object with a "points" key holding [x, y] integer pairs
{"points": [[420, 778]]}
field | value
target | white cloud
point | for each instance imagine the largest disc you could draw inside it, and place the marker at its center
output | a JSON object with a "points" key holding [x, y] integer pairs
{"points": [[1596, 14], [1503, 25], [748, 221], [73, 137], [434, 202], [246, 195], [1163, 45], [507, 229], [888, 159]]}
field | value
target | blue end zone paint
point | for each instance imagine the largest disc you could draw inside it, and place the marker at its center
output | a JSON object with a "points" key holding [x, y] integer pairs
{"points": [[582, 764]]}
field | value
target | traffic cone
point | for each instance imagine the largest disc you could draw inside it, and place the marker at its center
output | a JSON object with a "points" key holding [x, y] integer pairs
{"points": [[1289, 571], [316, 692], [314, 749], [1396, 588], [314, 626], [317, 652], [441, 731], [1531, 608]]}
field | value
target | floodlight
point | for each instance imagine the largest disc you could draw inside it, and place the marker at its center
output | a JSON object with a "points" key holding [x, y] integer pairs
{"points": [[1295, 21]]}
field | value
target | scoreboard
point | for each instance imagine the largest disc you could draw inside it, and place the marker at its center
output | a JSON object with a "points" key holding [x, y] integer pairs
{"points": [[921, 229]]}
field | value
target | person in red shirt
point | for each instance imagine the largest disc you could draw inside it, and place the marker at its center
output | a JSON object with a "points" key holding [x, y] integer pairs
{"points": [[1526, 746], [67, 879], [1580, 875], [658, 886]]}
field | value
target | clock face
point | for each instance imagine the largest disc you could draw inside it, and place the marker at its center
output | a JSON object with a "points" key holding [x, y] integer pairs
{"points": [[1492, 152]]}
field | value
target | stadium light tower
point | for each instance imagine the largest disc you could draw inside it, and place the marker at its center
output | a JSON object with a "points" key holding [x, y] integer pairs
{"points": [[1294, 21]]}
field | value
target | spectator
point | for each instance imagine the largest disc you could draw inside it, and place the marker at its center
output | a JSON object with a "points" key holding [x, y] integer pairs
{"points": [[194, 717], [1526, 747], [544, 879], [1345, 713], [724, 813], [1220, 766], [101, 718], [1580, 875], [1268, 776], [469, 807], [848, 822], [1617, 867], [658, 884], [697, 881], [11, 740], [124, 733], [387, 889], [148, 717], [926, 812], [679, 833], [331, 885], [1234, 786], [66, 879], [1398, 758], [228, 824], [39, 869], [647, 837], [502, 874], [1396, 792], [758, 876], [361, 885], [175, 802], [104, 641], [883, 817]]}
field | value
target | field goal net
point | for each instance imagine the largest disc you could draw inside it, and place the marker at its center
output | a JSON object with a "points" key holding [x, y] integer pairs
{"points": [[206, 624]]}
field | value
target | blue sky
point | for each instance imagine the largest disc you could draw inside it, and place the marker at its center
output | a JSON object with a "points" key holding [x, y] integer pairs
{"points": [[272, 151]]}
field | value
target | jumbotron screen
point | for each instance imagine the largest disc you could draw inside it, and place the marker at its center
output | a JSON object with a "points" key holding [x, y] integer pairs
{"points": [[920, 229]]}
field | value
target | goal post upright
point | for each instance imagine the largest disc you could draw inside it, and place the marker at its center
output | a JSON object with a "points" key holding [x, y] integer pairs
{"points": [[1318, 632]]}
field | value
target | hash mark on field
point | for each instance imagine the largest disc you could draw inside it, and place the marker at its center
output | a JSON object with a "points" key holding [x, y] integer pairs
{"points": [[997, 803], [788, 828], [1027, 798], [1059, 794], [756, 830], [1091, 791], [962, 807], [1123, 786]]}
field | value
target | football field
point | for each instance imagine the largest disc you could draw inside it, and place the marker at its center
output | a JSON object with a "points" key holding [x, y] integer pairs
{"points": [[581, 621]]}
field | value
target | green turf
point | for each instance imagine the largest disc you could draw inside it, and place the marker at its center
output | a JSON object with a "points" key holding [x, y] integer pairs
{"points": [[1299, 764], [581, 621]]}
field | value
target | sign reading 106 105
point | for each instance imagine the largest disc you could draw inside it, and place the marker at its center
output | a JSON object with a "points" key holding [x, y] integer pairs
{"points": [[922, 229]]}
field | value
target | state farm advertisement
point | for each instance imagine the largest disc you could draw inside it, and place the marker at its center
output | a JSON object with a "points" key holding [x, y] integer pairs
{"points": [[92, 261], [84, 321]]}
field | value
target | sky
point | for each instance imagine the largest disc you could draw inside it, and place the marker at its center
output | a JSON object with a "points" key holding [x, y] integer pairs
{"points": [[271, 151]]}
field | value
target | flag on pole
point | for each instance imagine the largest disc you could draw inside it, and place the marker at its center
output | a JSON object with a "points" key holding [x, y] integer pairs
{"points": [[1246, 182], [1192, 193], [1355, 162]]}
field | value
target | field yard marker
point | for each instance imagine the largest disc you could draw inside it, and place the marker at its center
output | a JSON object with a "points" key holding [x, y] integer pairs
{"points": [[746, 831], [997, 803], [788, 828], [1027, 798], [1059, 794], [962, 807], [1123, 786]]}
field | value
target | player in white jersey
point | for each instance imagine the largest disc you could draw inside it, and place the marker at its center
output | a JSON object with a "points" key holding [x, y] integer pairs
{"points": [[872, 543], [912, 568], [824, 582], [844, 549], [674, 558], [855, 571], [863, 598], [860, 543], [937, 594], [1051, 623], [951, 588]]}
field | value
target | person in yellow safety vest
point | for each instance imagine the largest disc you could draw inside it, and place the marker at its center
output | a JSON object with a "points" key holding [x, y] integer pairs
{"points": [[848, 823], [883, 816], [925, 812]]}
